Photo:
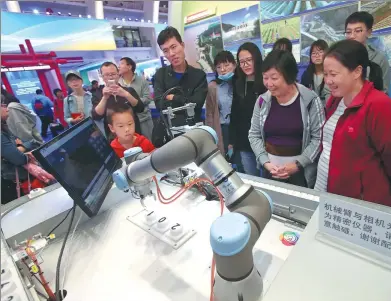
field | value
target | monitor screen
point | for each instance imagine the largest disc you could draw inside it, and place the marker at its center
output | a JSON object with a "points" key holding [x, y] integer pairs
{"points": [[82, 161]]}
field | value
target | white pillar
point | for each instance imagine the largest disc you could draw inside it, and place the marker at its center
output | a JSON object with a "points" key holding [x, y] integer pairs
{"points": [[99, 11], [13, 6], [95, 9], [175, 18], [155, 18], [151, 11]]}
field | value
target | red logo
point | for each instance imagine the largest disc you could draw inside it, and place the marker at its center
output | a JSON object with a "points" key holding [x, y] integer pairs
{"points": [[350, 129]]}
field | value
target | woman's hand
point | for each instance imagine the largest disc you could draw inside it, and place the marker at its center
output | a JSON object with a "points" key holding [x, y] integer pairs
{"points": [[273, 169], [288, 170]]}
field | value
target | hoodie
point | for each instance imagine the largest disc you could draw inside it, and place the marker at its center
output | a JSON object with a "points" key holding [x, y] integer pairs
{"points": [[313, 115], [140, 141], [23, 123]]}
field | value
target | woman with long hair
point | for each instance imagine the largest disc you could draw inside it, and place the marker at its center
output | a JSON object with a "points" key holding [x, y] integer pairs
{"points": [[247, 88], [356, 157], [312, 77]]}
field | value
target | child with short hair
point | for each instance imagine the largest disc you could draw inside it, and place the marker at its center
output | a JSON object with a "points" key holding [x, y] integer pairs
{"points": [[121, 123]]}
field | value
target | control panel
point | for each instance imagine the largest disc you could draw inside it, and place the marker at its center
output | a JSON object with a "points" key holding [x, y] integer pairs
{"points": [[12, 288], [168, 228]]}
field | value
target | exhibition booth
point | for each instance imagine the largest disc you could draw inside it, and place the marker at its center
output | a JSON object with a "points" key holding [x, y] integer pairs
{"points": [[180, 223]]}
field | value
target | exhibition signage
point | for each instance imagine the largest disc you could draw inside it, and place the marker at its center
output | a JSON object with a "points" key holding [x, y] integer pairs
{"points": [[363, 224], [55, 33]]}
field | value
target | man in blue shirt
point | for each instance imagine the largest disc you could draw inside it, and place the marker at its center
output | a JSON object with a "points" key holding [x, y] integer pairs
{"points": [[42, 106]]}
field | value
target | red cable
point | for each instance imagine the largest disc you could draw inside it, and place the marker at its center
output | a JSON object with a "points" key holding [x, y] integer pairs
{"points": [[179, 193], [45, 284]]}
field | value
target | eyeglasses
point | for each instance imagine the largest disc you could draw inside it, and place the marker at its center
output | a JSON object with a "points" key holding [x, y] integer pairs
{"points": [[317, 53], [350, 32], [246, 61], [110, 75]]}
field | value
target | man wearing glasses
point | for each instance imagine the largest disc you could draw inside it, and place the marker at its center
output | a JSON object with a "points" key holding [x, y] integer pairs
{"points": [[114, 95], [179, 73], [358, 26]]}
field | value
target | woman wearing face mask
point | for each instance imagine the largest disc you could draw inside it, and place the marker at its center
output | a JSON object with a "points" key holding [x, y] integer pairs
{"points": [[248, 86], [312, 78], [286, 126], [356, 156], [219, 98]]}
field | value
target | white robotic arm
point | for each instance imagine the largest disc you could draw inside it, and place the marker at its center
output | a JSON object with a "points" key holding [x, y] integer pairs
{"points": [[234, 234]]}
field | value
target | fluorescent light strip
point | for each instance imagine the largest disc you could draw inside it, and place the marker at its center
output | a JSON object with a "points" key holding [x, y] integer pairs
{"points": [[28, 68]]}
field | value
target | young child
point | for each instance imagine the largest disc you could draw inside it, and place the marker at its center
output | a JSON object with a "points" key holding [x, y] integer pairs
{"points": [[121, 123]]}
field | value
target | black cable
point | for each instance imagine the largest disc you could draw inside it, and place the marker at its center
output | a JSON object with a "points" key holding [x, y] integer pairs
{"points": [[58, 293], [59, 224]]}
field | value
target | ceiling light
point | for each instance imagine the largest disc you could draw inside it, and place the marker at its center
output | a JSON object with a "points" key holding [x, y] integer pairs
{"points": [[116, 19], [136, 19], [59, 13], [149, 21], [119, 26], [69, 14], [36, 11], [80, 16], [123, 19], [89, 16], [130, 19], [142, 20]]}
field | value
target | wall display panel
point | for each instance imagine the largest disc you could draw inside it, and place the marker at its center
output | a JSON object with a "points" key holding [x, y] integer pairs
{"points": [[24, 84], [381, 13], [328, 25], [288, 28], [203, 40], [233, 47], [295, 51], [241, 25], [282, 9], [54, 33]]}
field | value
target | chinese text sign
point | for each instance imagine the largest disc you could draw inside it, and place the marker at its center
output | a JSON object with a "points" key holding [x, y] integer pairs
{"points": [[363, 226]]}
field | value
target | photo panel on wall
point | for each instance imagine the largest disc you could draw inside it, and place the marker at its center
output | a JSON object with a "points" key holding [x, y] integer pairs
{"points": [[203, 40], [283, 9], [287, 28], [381, 12], [241, 25], [328, 25]]}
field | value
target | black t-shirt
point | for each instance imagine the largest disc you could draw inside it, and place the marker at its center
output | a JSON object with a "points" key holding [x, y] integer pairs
{"points": [[241, 113], [119, 101]]}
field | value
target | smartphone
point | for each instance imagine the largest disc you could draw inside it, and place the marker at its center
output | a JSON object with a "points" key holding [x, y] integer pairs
{"points": [[111, 82]]}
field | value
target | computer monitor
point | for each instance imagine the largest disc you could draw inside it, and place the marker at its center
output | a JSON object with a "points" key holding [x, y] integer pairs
{"points": [[82, 161]]}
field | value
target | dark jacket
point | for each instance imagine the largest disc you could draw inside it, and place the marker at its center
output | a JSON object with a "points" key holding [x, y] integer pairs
{"points": [[112, 103], [242, 111], [11, 157], [194, 85]]}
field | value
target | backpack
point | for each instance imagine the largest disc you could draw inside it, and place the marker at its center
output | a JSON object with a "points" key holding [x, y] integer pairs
{"points": [[38, 105]]}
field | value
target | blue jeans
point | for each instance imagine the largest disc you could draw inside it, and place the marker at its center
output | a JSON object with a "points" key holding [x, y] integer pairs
{"points": [[250, 164]]}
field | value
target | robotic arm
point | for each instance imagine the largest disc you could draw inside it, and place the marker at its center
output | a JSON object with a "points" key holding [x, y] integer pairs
{"points": [[234, 234]]}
